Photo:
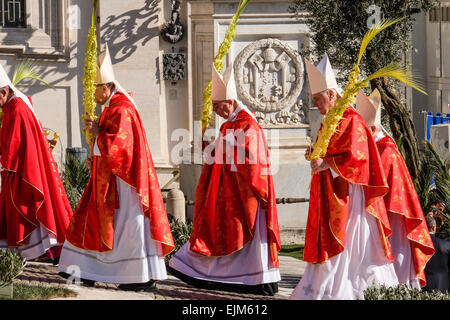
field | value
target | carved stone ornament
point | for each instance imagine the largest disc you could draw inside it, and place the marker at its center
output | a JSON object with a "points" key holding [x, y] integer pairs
{"points": [[269, 79], [289, 117], [173, 31], [174, 66]]}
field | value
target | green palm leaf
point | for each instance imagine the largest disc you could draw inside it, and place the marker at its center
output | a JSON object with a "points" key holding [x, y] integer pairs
{"points": [[399, 73], [28, 70], [373, 32]]}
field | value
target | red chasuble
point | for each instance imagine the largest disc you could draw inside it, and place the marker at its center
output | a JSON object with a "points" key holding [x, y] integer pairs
{"points": [[353, 155], [126, 155], [402, 199], [32, 191], [226, 202]]}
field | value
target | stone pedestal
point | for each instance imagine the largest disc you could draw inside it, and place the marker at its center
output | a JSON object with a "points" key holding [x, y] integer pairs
{"points": [[176, 205], [292, 177], [189, 176]]}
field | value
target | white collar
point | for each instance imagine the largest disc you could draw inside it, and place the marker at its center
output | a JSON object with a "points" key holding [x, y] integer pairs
{"points": [[12, 97], [235, 113], [380, 135], [110, 97]]}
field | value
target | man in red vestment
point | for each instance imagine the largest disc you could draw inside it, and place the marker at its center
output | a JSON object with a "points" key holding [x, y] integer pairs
{"points": [[346, 244], [34, 209], [410, 240], [235, 240], [120, 232]]}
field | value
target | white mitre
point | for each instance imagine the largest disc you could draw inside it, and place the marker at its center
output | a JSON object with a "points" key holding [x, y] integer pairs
{"points": [[4, 79], [105, 70], [321, 77], [369, 107], [223, 87], [6, 82], [105, 74]]}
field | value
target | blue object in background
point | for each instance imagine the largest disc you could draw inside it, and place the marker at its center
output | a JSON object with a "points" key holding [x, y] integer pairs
{"points": [[437, 118], [431, 120]]}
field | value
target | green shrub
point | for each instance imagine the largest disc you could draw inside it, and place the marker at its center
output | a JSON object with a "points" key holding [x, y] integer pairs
{"points": [[402, 292], [181, 232], [32, 292], [75, 179], [11, 265]]}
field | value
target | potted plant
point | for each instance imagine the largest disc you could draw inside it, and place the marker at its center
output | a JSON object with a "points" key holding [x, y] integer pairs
{"points": [[11, 265]]}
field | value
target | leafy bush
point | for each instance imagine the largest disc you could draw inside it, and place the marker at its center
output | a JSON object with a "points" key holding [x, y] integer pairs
{"points": [[437, 170], [181, 232], [31, 292], [402, 292], [75, 179], [11, 265]]}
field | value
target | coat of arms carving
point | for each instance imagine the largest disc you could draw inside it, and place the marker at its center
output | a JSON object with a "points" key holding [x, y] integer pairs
{"points": [[269, 80]]}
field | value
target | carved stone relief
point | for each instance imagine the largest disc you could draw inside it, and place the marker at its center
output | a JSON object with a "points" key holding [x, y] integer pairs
{"points": [[174, 66], [173, 31], [269, 80]]}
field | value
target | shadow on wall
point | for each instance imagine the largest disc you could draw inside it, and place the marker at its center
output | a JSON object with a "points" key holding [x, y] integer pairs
{"points": [[125, 32]]}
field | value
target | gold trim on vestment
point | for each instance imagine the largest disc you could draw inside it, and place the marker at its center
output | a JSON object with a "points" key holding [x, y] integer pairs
{"points": [[412, 240]]}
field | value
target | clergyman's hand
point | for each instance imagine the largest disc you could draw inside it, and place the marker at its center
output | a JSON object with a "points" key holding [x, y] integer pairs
{"points": [[89, 163], [91, 125], [308, 153], [318, 165]]}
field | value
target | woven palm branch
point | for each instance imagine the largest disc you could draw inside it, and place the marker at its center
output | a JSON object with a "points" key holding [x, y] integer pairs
{"points": [[90, 73]]}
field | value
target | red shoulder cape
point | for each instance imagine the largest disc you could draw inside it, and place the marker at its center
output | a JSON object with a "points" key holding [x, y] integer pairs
{"points": [[32, 191], [226, 202], [126, 155], [402, 199], [353, 155]]}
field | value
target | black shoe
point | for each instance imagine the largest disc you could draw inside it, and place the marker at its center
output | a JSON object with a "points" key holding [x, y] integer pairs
{"points": [[198, 283], [87, 282], [83, 282], [64, 275], [138, 287], [267, 289], [56, 261]]}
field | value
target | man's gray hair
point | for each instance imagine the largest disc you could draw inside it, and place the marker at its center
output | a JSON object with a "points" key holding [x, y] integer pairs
{"points": [[431, 223]]}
